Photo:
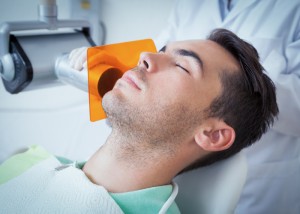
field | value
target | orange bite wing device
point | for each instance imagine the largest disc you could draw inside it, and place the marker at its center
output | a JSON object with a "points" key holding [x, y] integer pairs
{"points": [[106, 64]]}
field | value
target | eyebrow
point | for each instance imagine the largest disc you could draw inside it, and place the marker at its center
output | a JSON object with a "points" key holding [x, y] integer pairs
{"points": [[189, 53], [183, 52]]}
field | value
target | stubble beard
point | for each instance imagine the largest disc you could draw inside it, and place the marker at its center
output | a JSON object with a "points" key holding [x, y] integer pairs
{"points": [[155, 127]]}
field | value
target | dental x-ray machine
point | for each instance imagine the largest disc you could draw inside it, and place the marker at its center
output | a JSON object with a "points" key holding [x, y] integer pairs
{"points": [[33, 54]]}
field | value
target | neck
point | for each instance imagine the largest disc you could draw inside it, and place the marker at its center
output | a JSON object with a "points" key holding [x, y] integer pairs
{"points": [[123, 165]]}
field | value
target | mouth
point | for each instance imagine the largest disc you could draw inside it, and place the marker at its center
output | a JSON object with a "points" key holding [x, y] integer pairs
{"points": [[131, 80]]}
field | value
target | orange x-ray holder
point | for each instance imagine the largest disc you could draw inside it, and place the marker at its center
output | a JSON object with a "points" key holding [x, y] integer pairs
{"points": [[106, 64]]}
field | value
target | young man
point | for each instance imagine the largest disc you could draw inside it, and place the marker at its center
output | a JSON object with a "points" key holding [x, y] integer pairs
{"points": [[272, 26], [192, 104]]}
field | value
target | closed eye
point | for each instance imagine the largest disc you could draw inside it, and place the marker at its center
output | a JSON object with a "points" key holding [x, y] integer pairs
{"points": [[178, 65]]}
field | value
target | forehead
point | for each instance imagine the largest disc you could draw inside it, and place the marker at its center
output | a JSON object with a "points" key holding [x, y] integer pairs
{"points": [[212, 54]]}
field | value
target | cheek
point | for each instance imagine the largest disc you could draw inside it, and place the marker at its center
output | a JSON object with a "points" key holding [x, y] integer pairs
{"points": [[172, 90]]}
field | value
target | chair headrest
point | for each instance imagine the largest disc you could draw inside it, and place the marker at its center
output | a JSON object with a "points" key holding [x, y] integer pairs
{"points": [[213, 189]]}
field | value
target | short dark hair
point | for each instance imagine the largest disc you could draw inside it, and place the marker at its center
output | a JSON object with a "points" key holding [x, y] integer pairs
{"points": [[248, 100]]}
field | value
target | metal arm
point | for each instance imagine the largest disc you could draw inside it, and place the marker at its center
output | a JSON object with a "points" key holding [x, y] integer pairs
{"points": [[47, 20]]}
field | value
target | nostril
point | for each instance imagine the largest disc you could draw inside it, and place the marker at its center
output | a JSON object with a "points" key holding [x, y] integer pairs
{"points": [[146, 64]]}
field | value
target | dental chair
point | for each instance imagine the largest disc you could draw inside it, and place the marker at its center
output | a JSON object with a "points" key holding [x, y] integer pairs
{"points": [[209, 190], [212, 190]]}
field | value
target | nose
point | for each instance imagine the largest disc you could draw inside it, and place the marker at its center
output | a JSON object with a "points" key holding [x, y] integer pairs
{"points": [[148, 61]]}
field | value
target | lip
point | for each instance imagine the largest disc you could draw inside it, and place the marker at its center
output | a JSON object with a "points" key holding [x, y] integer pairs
{"points": [[131, 80]]}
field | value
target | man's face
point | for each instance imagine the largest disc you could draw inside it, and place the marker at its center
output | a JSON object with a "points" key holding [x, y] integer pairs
{"points": [[164, 97]]}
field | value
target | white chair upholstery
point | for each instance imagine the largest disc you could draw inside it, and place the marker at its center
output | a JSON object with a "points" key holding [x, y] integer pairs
{"points": [[214, 189]]}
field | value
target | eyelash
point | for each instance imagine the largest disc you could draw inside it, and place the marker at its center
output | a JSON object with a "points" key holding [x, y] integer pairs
{"points": [[178, 65]]}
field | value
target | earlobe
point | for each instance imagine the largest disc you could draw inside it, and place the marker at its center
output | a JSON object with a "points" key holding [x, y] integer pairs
{"points": [[216, 138]]}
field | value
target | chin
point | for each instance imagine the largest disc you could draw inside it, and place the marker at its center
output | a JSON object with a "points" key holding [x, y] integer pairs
{"points": [[106, 102], [112, 105]]}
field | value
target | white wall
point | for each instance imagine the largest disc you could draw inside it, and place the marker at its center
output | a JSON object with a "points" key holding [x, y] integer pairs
{"points": [[58, 118], [134, 19], [20, 10]]}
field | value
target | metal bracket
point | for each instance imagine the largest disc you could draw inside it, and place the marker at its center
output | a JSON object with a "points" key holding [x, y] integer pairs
{"points": [[47, 20]]}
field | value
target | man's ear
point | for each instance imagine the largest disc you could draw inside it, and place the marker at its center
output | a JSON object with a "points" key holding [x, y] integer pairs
{"points": [[215, 136]]}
